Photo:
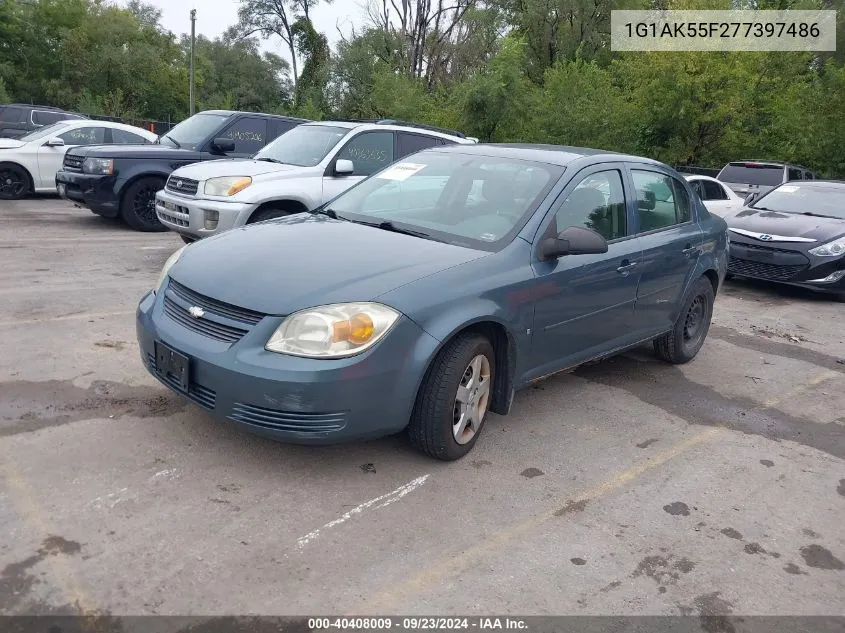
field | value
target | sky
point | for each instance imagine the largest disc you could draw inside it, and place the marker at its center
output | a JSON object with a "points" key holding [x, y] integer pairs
{"points": [[215, 16]]}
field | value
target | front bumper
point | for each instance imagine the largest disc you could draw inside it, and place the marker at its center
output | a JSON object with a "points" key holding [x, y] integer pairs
{"points": [[779, 263], [95, 191], [286, 398], [187, 216]]}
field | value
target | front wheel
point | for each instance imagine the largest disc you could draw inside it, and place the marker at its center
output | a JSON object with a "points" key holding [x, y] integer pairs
{"points": [[138, 207], [14, 182], [454, 398], [685, 340]]}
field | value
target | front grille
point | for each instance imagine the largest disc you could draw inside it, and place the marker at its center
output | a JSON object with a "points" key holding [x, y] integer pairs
{"points": [[767, 249], [206, 327], [287, 420], [73, 163], [222, 321], [166, 216], [762, 270], [184, 186], [249, 317], [203, 396]]}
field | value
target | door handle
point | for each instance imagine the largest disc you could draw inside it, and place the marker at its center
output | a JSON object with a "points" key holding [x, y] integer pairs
{"points": [[689, 250], [626, 267]]}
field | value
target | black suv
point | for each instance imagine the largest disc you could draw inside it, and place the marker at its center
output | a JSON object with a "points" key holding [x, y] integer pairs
{"points": [[122, 180], [18, 119]]}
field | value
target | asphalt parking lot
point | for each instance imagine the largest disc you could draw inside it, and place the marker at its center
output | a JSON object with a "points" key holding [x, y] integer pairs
{"points": [[626, 487]]}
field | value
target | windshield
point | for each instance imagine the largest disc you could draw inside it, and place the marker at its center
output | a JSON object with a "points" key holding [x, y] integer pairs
{"points": [[304, 145], [191, 132], [474, 201], [805, 198], [43, 132], [752, 174]]}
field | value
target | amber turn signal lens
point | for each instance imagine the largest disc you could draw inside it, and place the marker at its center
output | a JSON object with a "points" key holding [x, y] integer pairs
{"points": [[357, 330]]}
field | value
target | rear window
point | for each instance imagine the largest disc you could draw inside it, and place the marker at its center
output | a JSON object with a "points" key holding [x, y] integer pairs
{"points": [[11, 115], [751, 174], [42, 117]]}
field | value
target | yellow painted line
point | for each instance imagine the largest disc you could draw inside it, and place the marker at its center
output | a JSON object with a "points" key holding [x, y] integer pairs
{"points": [[456, 563], [59, 564], [68, 317]]}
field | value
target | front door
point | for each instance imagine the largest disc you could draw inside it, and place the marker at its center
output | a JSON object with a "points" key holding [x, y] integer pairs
{"points": [[671, 241], [587, 305], [50, 158], [369, 152]]}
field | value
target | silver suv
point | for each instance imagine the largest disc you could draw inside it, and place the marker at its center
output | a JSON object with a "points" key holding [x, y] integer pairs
{"points": [[756, 177], [299, 171]]}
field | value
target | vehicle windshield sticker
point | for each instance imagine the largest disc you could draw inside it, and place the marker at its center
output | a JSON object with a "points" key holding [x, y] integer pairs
{"points": [[401, 171], [489, 237], [788, 189]]}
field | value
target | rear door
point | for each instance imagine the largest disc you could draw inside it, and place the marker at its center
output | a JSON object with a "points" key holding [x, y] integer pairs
{"points": [[12, 122], [714, 196], [671, 242], [408, 143], [249, 134]]}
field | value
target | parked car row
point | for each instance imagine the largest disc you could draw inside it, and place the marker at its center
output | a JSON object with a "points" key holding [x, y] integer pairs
{"points": [[19, 119]]}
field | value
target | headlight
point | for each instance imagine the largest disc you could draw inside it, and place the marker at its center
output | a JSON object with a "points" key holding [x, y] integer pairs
{"points": [[831, 249], [332, 331], [103, 166], [226, 185], [168, 265]]}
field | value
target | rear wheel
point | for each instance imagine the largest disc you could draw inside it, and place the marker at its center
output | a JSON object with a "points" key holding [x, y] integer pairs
{"points": [[138, 207], [454, 398], [14, 182], [685, 340]]}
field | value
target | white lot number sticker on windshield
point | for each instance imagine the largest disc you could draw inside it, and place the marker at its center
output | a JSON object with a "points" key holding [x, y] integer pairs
{"points": [[401, 171], [788, 189]]}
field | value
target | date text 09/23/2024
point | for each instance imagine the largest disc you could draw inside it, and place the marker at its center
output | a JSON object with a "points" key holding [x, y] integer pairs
{"points": [[417, 623]]}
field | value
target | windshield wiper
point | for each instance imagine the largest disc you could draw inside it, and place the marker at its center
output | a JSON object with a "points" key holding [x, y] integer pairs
{"points": [[174, 141], [267, 159], [323, 211], [387, 225], [819, 215]]}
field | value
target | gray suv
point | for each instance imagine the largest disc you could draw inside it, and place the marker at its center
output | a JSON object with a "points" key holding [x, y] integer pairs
{"points": [[747, 177], [297, 172]]}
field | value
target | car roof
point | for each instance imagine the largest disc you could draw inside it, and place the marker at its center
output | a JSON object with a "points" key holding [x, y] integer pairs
{"points": [[238, 112], [394, 124], [561, 155]]}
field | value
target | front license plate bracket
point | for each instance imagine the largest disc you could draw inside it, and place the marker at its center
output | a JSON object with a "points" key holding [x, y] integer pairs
{"points": [[174, 366]]}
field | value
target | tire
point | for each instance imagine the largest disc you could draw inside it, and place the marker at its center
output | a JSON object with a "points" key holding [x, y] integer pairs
{"points": [[137, 208], [267, 214], [14, 182], [685, 340], [439, 413], [186, 239]]}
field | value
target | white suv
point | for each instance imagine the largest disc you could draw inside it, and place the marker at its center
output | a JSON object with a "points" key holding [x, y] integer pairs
{"points": [[299, 171]]}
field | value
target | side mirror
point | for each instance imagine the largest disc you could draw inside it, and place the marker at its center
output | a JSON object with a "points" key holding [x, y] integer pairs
{"points": [[344, 167], [750, 198], [574, 240], [647, 200], [55, 142], [223, 145]]}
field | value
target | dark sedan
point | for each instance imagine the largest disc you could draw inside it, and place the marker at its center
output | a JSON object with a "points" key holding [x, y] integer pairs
{"points": [[795, 234], [426, 295]]}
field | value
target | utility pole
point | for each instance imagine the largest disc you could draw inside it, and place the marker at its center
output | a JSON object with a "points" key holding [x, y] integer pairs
{"points": [[193, 44]]}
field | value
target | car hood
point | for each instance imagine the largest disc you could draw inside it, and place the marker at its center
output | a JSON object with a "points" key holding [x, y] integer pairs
{"points": [[136, 152], [306, 260], [236, 167], [786, 224], [10, 143]]}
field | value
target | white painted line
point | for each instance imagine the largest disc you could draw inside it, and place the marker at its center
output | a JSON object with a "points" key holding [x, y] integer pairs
{"points": [[156, 248], [382, 501]]}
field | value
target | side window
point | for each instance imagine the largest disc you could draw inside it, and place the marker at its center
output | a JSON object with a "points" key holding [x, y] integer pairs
{"points": [[277, 127], [661, 200], [794, 174], [84, 136], [122, 137], [369, 152], [597, 203], [410, 143], [249, 134], [42, 117], [11, 115], [713, 191]]}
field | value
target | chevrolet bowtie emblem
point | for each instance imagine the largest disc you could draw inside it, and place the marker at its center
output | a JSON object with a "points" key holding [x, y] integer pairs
{"points": [[196, 312]]}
